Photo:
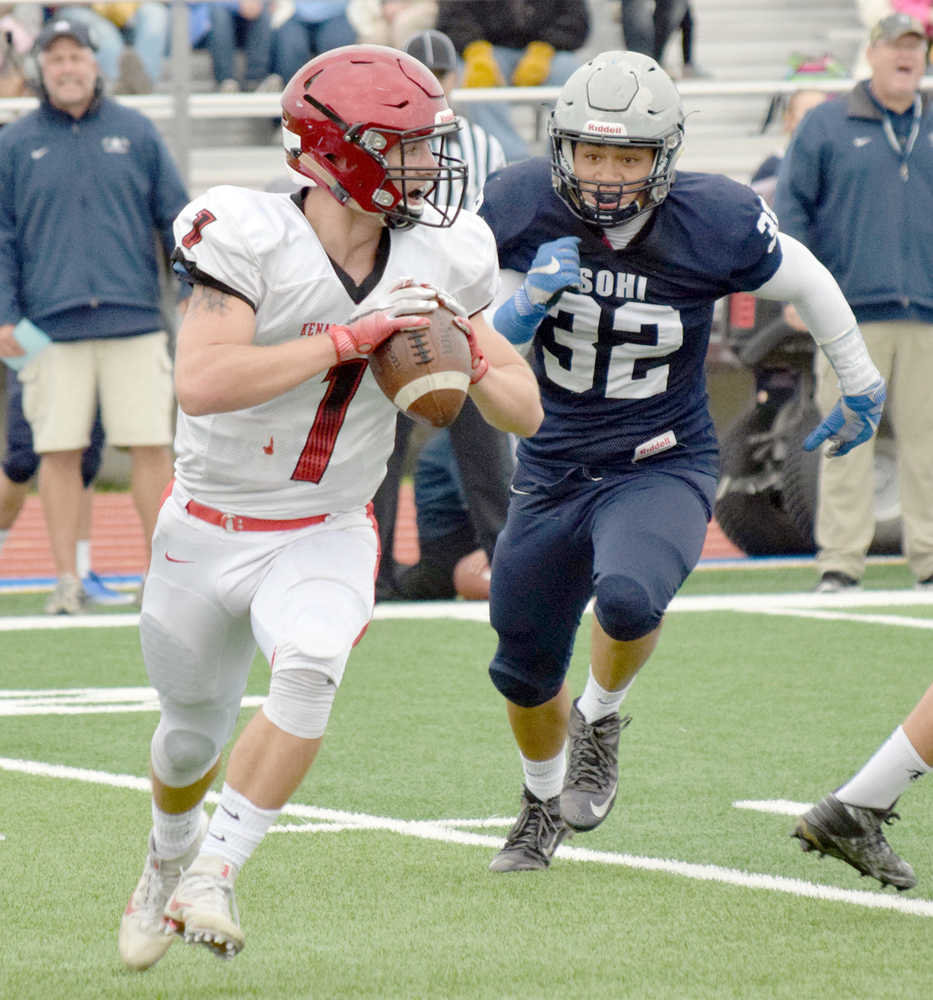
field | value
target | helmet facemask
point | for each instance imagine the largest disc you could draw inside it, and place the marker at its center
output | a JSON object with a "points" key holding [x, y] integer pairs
{"points": [[407, 188]]}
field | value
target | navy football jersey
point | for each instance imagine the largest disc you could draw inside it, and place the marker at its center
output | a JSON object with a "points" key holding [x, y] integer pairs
{"points": [[620, 363]]}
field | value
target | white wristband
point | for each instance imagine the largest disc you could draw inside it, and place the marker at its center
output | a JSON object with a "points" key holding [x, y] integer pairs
{"points": [[851, 362]]}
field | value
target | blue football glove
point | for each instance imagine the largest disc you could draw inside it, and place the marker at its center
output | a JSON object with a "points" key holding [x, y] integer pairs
{"points": [[851, 422], [554, 270]]}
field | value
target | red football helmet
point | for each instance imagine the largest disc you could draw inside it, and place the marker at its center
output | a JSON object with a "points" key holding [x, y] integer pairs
{"points": [[343, 112]]}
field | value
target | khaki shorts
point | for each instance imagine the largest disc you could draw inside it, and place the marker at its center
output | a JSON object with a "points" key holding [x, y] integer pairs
{"points": [[131, 376]]}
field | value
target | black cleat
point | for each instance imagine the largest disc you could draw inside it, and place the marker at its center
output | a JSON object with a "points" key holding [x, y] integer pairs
{"points": [[534, 838], [853, 834], [592, 770]]}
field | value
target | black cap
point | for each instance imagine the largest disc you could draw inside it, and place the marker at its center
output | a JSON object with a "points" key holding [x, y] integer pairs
{"points": [[434, 49], [64, 27]]}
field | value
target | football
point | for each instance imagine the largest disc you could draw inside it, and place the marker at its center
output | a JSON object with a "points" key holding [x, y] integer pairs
{"points": [[472, 575], [426, 371]]}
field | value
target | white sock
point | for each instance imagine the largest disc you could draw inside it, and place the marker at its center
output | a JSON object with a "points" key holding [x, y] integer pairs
{"points": [[886, 775], [174, 833], [237, 827], [544, 778], [83, 557], [3, 536], [596, 702]]}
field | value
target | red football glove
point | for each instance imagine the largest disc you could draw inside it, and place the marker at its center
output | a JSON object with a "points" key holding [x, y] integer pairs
{"points": [[477, 359], [364, 335]]}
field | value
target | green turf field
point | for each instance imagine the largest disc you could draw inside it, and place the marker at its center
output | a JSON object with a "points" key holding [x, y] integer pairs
{"points": [[374, 882]]}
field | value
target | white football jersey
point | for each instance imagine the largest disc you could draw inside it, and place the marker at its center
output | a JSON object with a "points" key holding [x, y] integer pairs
{"points": [[321, 447]]}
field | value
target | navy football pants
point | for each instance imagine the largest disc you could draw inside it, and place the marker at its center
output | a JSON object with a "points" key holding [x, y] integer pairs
{"points": [[629, 539]]}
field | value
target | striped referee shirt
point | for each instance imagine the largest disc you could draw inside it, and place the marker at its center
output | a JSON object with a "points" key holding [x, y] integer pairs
{"points": [[481, 152]]}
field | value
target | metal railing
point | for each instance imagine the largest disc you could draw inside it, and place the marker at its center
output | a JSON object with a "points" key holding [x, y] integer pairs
{"points": [[180, 107]]}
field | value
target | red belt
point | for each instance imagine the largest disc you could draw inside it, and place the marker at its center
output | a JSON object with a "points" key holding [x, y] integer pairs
{"points": [[235, 522]]}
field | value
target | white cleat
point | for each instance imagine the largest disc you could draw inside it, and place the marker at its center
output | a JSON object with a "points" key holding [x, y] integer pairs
{"points": [[142, 941], [203, 908]]}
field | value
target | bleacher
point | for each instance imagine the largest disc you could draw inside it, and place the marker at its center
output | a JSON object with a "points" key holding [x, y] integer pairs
{"points": [[745, 46]]}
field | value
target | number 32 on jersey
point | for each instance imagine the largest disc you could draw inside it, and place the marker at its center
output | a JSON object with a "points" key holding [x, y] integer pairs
{"points": [[627, 360]]}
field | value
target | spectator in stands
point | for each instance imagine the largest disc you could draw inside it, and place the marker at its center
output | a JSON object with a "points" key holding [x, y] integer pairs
{"points": [[647, 25], [524, 43], [689, 68], [390, 22], [19, 466], [316, 26], [13, 81], [19, 26], [664, 31], [856, 187], [84, 269], [224, 27], [483, 454], [797, 104], [132, 40]]}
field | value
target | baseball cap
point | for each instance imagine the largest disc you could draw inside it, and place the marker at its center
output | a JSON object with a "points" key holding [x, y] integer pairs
{"points": [[434, 49], [892, 27], [63, 27]]}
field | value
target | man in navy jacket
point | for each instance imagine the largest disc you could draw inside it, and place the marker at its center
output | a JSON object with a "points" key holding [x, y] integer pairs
{"points": [[85, 186], [856, 187]]}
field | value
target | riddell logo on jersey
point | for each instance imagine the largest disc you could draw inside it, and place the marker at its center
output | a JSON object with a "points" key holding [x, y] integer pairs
{"points": [[313, 329], [605, 128]]}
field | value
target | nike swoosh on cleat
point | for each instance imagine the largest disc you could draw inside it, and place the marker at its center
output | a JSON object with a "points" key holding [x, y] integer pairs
{"points": [[600, 811], [551, 267], [235, 816]]}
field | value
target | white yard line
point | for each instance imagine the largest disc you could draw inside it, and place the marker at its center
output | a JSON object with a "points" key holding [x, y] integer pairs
{"points": [[335, 820], [849, 616], [782, 807], [478, 611]]}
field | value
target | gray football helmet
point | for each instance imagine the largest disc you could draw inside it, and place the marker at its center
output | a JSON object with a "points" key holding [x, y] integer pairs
{"points": [[623, 99]]}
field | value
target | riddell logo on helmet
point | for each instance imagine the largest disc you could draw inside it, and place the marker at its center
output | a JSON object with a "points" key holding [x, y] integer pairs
{"points": [[445, 116], [605, 128]]}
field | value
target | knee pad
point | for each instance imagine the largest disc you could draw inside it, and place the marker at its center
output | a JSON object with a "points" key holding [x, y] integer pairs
{"points": [[522, 687], [299, 702], [196, 720], [179, 756], [625, 609]]}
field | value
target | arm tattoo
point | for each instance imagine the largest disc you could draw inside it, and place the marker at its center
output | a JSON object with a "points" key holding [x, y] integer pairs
{"points": [[209, 300]]}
